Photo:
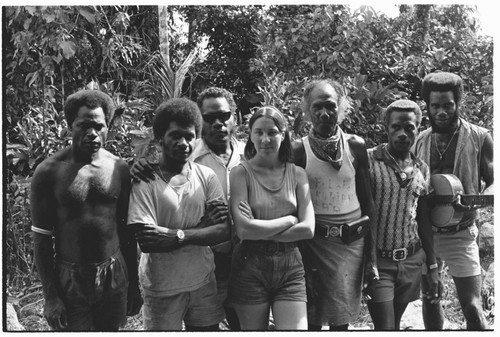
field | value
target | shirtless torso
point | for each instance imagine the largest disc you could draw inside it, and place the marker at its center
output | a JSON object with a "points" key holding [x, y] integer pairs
{"points": [[79, 199], [83, 203]]}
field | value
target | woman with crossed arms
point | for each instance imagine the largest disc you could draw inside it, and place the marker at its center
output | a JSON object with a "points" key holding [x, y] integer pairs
{"points": [[272, 210]]}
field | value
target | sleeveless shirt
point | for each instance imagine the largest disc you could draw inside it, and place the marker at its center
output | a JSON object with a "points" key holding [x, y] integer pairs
{"points": [[333, 192], [267, 203]]}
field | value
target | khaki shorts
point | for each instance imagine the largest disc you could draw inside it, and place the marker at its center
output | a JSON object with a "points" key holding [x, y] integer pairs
{"points": [[198, 308], [460, 252], [399, 280]]}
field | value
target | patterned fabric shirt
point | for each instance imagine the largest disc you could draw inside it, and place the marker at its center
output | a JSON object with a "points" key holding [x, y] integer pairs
{"points": [[395, 199]]}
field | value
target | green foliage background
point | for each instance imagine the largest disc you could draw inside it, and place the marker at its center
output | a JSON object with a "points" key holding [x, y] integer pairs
{"points": [[263, 54]]}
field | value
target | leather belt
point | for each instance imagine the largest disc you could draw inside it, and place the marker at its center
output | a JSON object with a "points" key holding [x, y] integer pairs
{"points": [[326, 231], [268, 246], [400, 254], [449, 229]]}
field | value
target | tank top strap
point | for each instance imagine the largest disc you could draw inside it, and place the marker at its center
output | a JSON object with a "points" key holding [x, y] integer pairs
{"points": [[289, 178], [348, 156], [291, 175]]}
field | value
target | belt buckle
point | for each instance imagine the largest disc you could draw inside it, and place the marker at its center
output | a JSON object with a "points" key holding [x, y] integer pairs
{"points": [[399, 254], [332, 231]]}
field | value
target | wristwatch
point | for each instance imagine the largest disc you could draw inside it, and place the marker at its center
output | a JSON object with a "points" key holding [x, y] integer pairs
{"points": [[180, 235]]}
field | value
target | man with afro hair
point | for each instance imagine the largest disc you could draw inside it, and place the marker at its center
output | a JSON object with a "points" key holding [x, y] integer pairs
{"points": [[83, 250], [453, 146], [179, 215]]}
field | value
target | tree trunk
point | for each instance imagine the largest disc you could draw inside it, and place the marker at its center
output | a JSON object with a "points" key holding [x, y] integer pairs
{"points": [[421, 27], [163, 33]]}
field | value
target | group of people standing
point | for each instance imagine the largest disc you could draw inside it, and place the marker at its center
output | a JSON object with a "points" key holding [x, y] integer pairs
{"points": [[303, 228]]}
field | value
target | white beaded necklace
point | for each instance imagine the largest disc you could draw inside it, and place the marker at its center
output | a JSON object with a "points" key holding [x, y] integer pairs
{"points": [[402, 172]]}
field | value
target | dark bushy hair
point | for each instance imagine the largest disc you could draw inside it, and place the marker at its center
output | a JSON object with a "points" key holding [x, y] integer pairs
{"points": [[215, 92], [92, 99], [183, 111], [343, 102], [285, 151], [403, 105], [442, 82]]}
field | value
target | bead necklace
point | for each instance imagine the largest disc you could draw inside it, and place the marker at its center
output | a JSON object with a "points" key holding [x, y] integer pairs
{"points": [[402, 172], [441, 154]]}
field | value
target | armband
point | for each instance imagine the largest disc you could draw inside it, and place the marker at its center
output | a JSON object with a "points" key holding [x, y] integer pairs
{"points": [[432, 266], [41, 231]]}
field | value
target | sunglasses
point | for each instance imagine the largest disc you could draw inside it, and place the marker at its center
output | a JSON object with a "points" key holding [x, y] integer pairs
{"points": [[220, 115]]}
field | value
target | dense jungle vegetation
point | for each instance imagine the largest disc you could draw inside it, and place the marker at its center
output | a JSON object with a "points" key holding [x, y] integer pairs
{"points": [[143, 55]]}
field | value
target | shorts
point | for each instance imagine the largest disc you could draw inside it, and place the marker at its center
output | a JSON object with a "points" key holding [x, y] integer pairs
{"points": [[399, 280], [95, 294], [198, 308], [222, 263], [334, 278], [260, 274], [460, 252]]}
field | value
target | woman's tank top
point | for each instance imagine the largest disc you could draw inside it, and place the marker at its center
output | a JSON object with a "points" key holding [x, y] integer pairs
{"points": [[267, 203]]}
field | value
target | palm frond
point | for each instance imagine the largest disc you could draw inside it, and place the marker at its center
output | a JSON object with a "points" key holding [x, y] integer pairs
{"points": [[180, 74]]}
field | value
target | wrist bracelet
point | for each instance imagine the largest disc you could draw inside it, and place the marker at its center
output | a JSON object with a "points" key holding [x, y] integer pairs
{"points": [[432, 266]]}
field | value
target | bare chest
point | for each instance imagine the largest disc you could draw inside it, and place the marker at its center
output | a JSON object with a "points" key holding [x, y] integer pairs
{"points": [[442, 155], [88, 184]]}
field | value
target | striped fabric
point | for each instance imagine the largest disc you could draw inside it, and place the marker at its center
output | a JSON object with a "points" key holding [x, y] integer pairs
{"points": [[396, 202]]}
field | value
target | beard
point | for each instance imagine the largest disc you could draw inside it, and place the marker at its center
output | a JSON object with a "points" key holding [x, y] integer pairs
{"points": [[446, 129]]}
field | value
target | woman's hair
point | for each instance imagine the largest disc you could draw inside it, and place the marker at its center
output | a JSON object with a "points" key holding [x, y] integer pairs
{"points": [[285, 151]]}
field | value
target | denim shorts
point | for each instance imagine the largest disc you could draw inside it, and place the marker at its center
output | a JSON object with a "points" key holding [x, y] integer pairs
{"points": [[399, 280], [95, 294], [197, 308], [262, 274]]}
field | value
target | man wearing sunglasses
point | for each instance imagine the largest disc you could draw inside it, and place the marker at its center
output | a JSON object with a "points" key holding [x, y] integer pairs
{"points": [[218, 149]]}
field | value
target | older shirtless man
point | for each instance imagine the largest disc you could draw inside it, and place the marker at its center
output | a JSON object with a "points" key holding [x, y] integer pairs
{"points": [[79, 200]]}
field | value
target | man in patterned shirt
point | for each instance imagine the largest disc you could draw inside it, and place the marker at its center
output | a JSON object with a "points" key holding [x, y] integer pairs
{"points": [[401, 223]]}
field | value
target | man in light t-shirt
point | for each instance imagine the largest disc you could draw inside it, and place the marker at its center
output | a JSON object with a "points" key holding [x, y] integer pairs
{"points": [[179, 215], [221, 151]]}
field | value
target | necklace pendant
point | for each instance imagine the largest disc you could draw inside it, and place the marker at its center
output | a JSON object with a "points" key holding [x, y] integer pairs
{"points": [[403, 175]]}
